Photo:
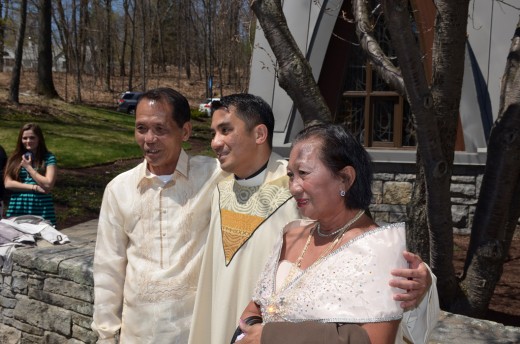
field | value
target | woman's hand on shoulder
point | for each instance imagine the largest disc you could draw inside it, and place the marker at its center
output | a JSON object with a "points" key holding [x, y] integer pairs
{"points": [[416, 281]]}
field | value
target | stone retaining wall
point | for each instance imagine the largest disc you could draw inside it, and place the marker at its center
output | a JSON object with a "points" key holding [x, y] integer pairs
{"points": [[48, 296], [48, 299]]}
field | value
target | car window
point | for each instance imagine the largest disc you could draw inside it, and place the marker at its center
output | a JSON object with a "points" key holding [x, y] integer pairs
{"points": [[128, 96]]}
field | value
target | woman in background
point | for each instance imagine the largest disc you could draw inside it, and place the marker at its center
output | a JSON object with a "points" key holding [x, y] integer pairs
{"points": [[30, 175]]}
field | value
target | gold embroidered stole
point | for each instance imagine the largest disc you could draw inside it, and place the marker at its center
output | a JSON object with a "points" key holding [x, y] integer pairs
{"points": [[243, 209]]}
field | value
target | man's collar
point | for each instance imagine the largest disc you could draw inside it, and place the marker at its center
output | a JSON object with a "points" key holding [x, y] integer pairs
{"points": [[256, 178], [182, 167], [183, 163]]}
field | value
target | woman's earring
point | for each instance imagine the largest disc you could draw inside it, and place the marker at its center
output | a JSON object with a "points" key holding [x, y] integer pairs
{"points": [[342, 193]]}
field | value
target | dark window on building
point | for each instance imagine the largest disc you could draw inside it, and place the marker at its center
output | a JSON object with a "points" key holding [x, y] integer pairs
{"points": [[374, 113]]}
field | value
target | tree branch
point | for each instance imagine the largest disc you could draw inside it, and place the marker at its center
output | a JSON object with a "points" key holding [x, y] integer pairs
{"points": [[294, 71], [381, 63]]}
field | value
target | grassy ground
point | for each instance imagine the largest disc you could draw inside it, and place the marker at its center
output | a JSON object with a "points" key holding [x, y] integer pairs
{"points": [[79, 136], [92, 145]]}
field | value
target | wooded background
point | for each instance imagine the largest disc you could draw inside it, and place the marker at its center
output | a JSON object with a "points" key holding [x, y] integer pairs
{"points": [[136, 39]]}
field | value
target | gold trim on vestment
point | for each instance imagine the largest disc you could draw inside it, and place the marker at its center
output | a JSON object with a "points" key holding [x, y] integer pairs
{"points": [[243, 209]]}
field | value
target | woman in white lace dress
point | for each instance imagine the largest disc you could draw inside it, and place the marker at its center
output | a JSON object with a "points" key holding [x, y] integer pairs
{"points": [[334, 266]]}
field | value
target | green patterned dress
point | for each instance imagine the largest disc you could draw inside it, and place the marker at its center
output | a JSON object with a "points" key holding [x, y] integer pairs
{"points": [[33, 203]]}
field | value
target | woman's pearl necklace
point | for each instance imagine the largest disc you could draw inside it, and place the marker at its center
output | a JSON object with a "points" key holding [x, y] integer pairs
{"points": [[345, 227]]}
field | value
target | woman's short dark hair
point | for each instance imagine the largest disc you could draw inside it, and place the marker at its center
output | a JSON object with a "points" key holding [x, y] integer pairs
{"points": [[339, 149], [180, 106]]}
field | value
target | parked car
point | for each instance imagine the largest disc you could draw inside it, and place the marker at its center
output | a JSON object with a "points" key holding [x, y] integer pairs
{"points": [[206, 106], [128, 101]]}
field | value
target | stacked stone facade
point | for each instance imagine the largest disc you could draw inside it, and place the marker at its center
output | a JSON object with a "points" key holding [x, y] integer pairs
{"points": [[392, 192], [48, 296]]}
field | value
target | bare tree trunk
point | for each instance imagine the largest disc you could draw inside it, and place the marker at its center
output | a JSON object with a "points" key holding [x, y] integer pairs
{"points": [[76, 49], [92, 37], [448, 61], [510, 92], [64, 32], [14, 88], [45, 83], [143, 44], [209, 77], [108, 46], [131, 71], [498, 207], [179, 44], [187, 38], [5, 16], [84, 18], [160, 39], [122, 60], [435, 114], [294, 72], [418, 234], [246, 72]]}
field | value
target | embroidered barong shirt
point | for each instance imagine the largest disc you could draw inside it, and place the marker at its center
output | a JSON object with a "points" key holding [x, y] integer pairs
{"points": [[149, 249]]}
